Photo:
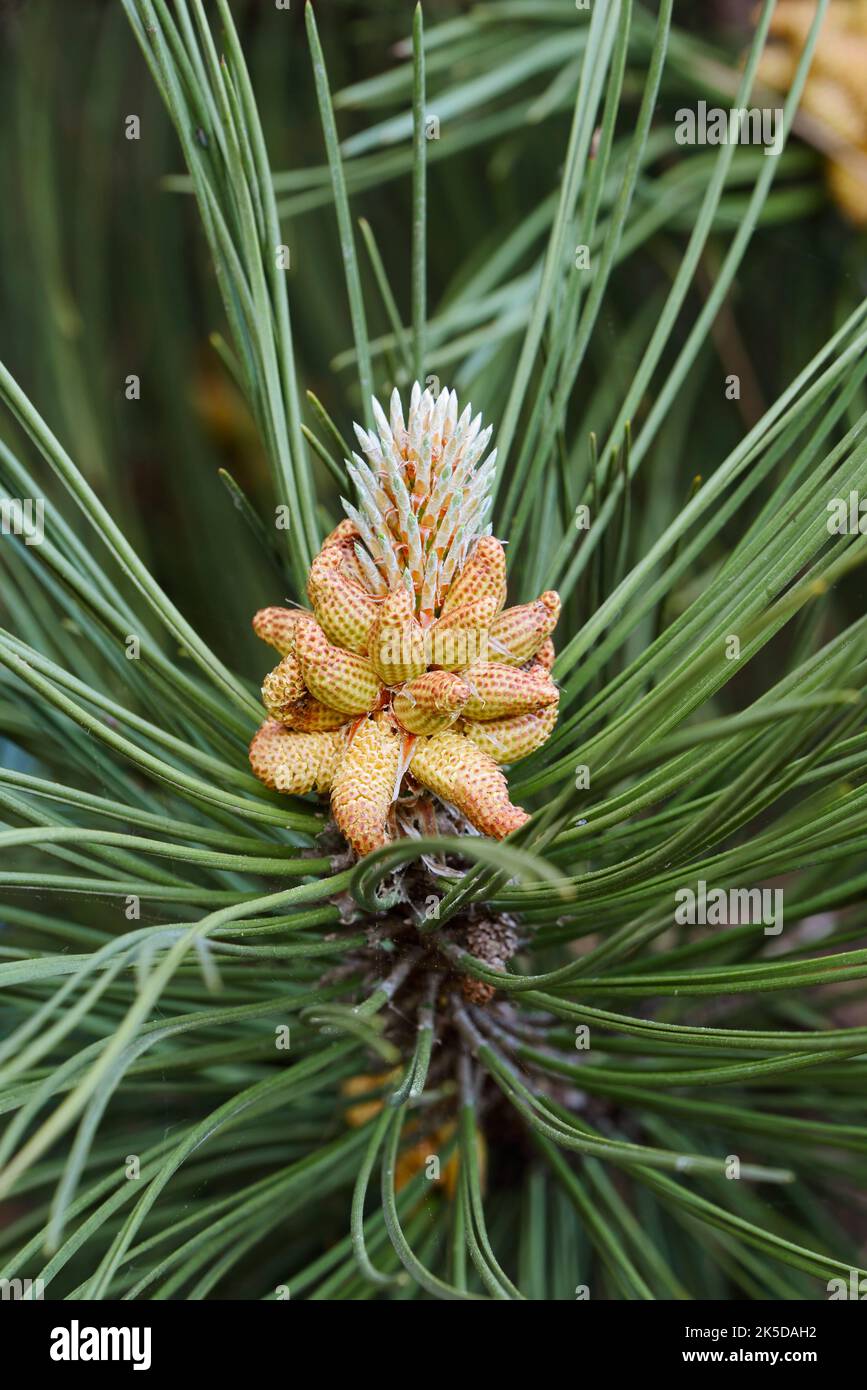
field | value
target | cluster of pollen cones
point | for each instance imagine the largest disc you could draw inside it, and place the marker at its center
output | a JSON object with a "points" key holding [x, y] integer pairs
{"points": [[409, 673]]}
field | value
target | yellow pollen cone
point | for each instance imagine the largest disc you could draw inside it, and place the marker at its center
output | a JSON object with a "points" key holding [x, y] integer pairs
{"points": [[338, 678], [518, 633], [282, 687], [276, 626], [508, 740], [431, 702], [456, 770], [293, 762], [364, 783], [500, 690]]}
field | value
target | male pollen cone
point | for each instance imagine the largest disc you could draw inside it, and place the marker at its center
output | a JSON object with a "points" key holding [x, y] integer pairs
{"points": [[409, 670]]}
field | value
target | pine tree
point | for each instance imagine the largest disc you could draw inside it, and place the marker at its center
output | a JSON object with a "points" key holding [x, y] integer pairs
{"points": [[533, 971]]}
